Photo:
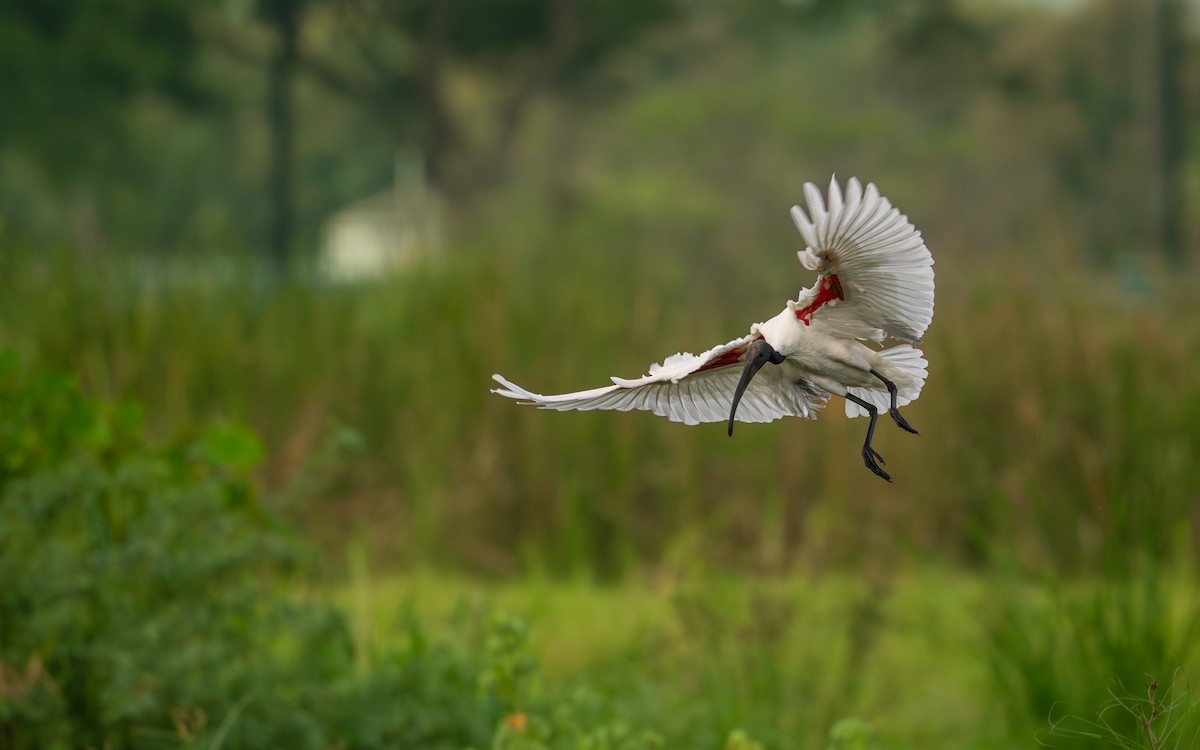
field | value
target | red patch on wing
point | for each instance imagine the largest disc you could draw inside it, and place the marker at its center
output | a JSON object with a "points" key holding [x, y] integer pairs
{"points": [[831, 289], [724, 359]]}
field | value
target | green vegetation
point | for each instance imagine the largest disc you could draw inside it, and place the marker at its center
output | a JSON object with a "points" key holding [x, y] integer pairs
{"points": [[1074, 449], [243, 505], [143, 604], [763, 585]]}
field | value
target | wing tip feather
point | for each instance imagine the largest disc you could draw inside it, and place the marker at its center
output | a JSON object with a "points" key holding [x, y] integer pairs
{"points": [[511, 389]]}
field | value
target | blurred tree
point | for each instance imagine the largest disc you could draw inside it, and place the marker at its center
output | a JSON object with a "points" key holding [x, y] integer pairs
{"points": [[458, 77], [1169, 41], [284, 18], [70, 68], [1086, 92], [1093, 92], [942, 42]]}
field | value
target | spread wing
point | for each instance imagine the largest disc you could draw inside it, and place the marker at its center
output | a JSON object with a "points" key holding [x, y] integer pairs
{"points": [[692, 388], [876, 275]]}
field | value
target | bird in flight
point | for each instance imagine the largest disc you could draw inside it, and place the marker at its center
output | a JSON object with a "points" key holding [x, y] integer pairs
{"points": [[874, 283]]}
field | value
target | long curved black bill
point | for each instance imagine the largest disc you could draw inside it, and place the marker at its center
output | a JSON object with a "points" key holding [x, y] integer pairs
{"points": [[757, 354]]}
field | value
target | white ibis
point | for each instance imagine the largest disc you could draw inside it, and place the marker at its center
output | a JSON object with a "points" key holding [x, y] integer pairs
{"points": [[874, 282]]}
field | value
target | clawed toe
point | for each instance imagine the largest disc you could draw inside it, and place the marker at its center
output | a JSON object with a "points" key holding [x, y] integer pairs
{"points": [[870, 456], [902, 422]]}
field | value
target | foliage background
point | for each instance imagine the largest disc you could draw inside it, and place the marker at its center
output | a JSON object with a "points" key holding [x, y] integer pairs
{"points": [[244, 505]]}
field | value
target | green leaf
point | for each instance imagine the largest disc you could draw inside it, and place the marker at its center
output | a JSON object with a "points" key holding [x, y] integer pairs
{"points": [[230, 445]]}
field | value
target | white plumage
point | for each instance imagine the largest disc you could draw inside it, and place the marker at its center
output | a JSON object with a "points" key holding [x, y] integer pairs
{"points": [[679, 391], [874, 282]]}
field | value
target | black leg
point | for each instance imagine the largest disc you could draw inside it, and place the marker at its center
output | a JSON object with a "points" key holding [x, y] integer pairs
{"points": [[869, 454], [894, 411]]}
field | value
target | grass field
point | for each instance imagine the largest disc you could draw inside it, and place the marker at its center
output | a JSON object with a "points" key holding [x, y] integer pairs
{"points": [[923, 658], [473, 573], [783, 660]]}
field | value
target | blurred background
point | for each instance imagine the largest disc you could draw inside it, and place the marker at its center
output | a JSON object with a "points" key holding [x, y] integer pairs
{"points": [[259, 258]]}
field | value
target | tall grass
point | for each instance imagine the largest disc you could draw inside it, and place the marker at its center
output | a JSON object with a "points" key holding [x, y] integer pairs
{"points": [[878, 656], [921, 658], [1060, 420], [1064, 655]]}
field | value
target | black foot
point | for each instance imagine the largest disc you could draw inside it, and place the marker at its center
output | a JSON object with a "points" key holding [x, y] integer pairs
{"points": [[902, 422], [870, 456]]}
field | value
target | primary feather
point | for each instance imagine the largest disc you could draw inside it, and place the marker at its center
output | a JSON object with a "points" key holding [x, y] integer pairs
{"points": [[686, 388], [880, 258]]}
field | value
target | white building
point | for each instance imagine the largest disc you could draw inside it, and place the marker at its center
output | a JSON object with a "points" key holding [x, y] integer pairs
{"points": [[387, 232]]}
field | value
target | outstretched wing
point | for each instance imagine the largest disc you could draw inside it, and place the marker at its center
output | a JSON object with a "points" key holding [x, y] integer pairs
{"points": [[876, 275], [691, 388]]}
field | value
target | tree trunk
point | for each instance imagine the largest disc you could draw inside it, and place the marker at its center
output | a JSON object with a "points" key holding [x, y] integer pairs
{"points": [[284, 16], [1169, 36]]}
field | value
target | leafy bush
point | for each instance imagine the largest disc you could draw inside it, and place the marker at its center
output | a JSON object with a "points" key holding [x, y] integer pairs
{"points": [[140, 604], [144, 603]]}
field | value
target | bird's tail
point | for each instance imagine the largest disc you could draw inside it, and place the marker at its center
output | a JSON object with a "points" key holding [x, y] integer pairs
{"points": [[906, 367]]}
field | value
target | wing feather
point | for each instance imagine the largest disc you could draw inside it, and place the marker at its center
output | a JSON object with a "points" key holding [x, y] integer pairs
{"points": [[881, 262], [691, 389]]}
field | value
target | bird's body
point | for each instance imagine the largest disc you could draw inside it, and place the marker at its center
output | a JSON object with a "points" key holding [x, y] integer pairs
{"points": [[827, 361], [875, 282]]}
